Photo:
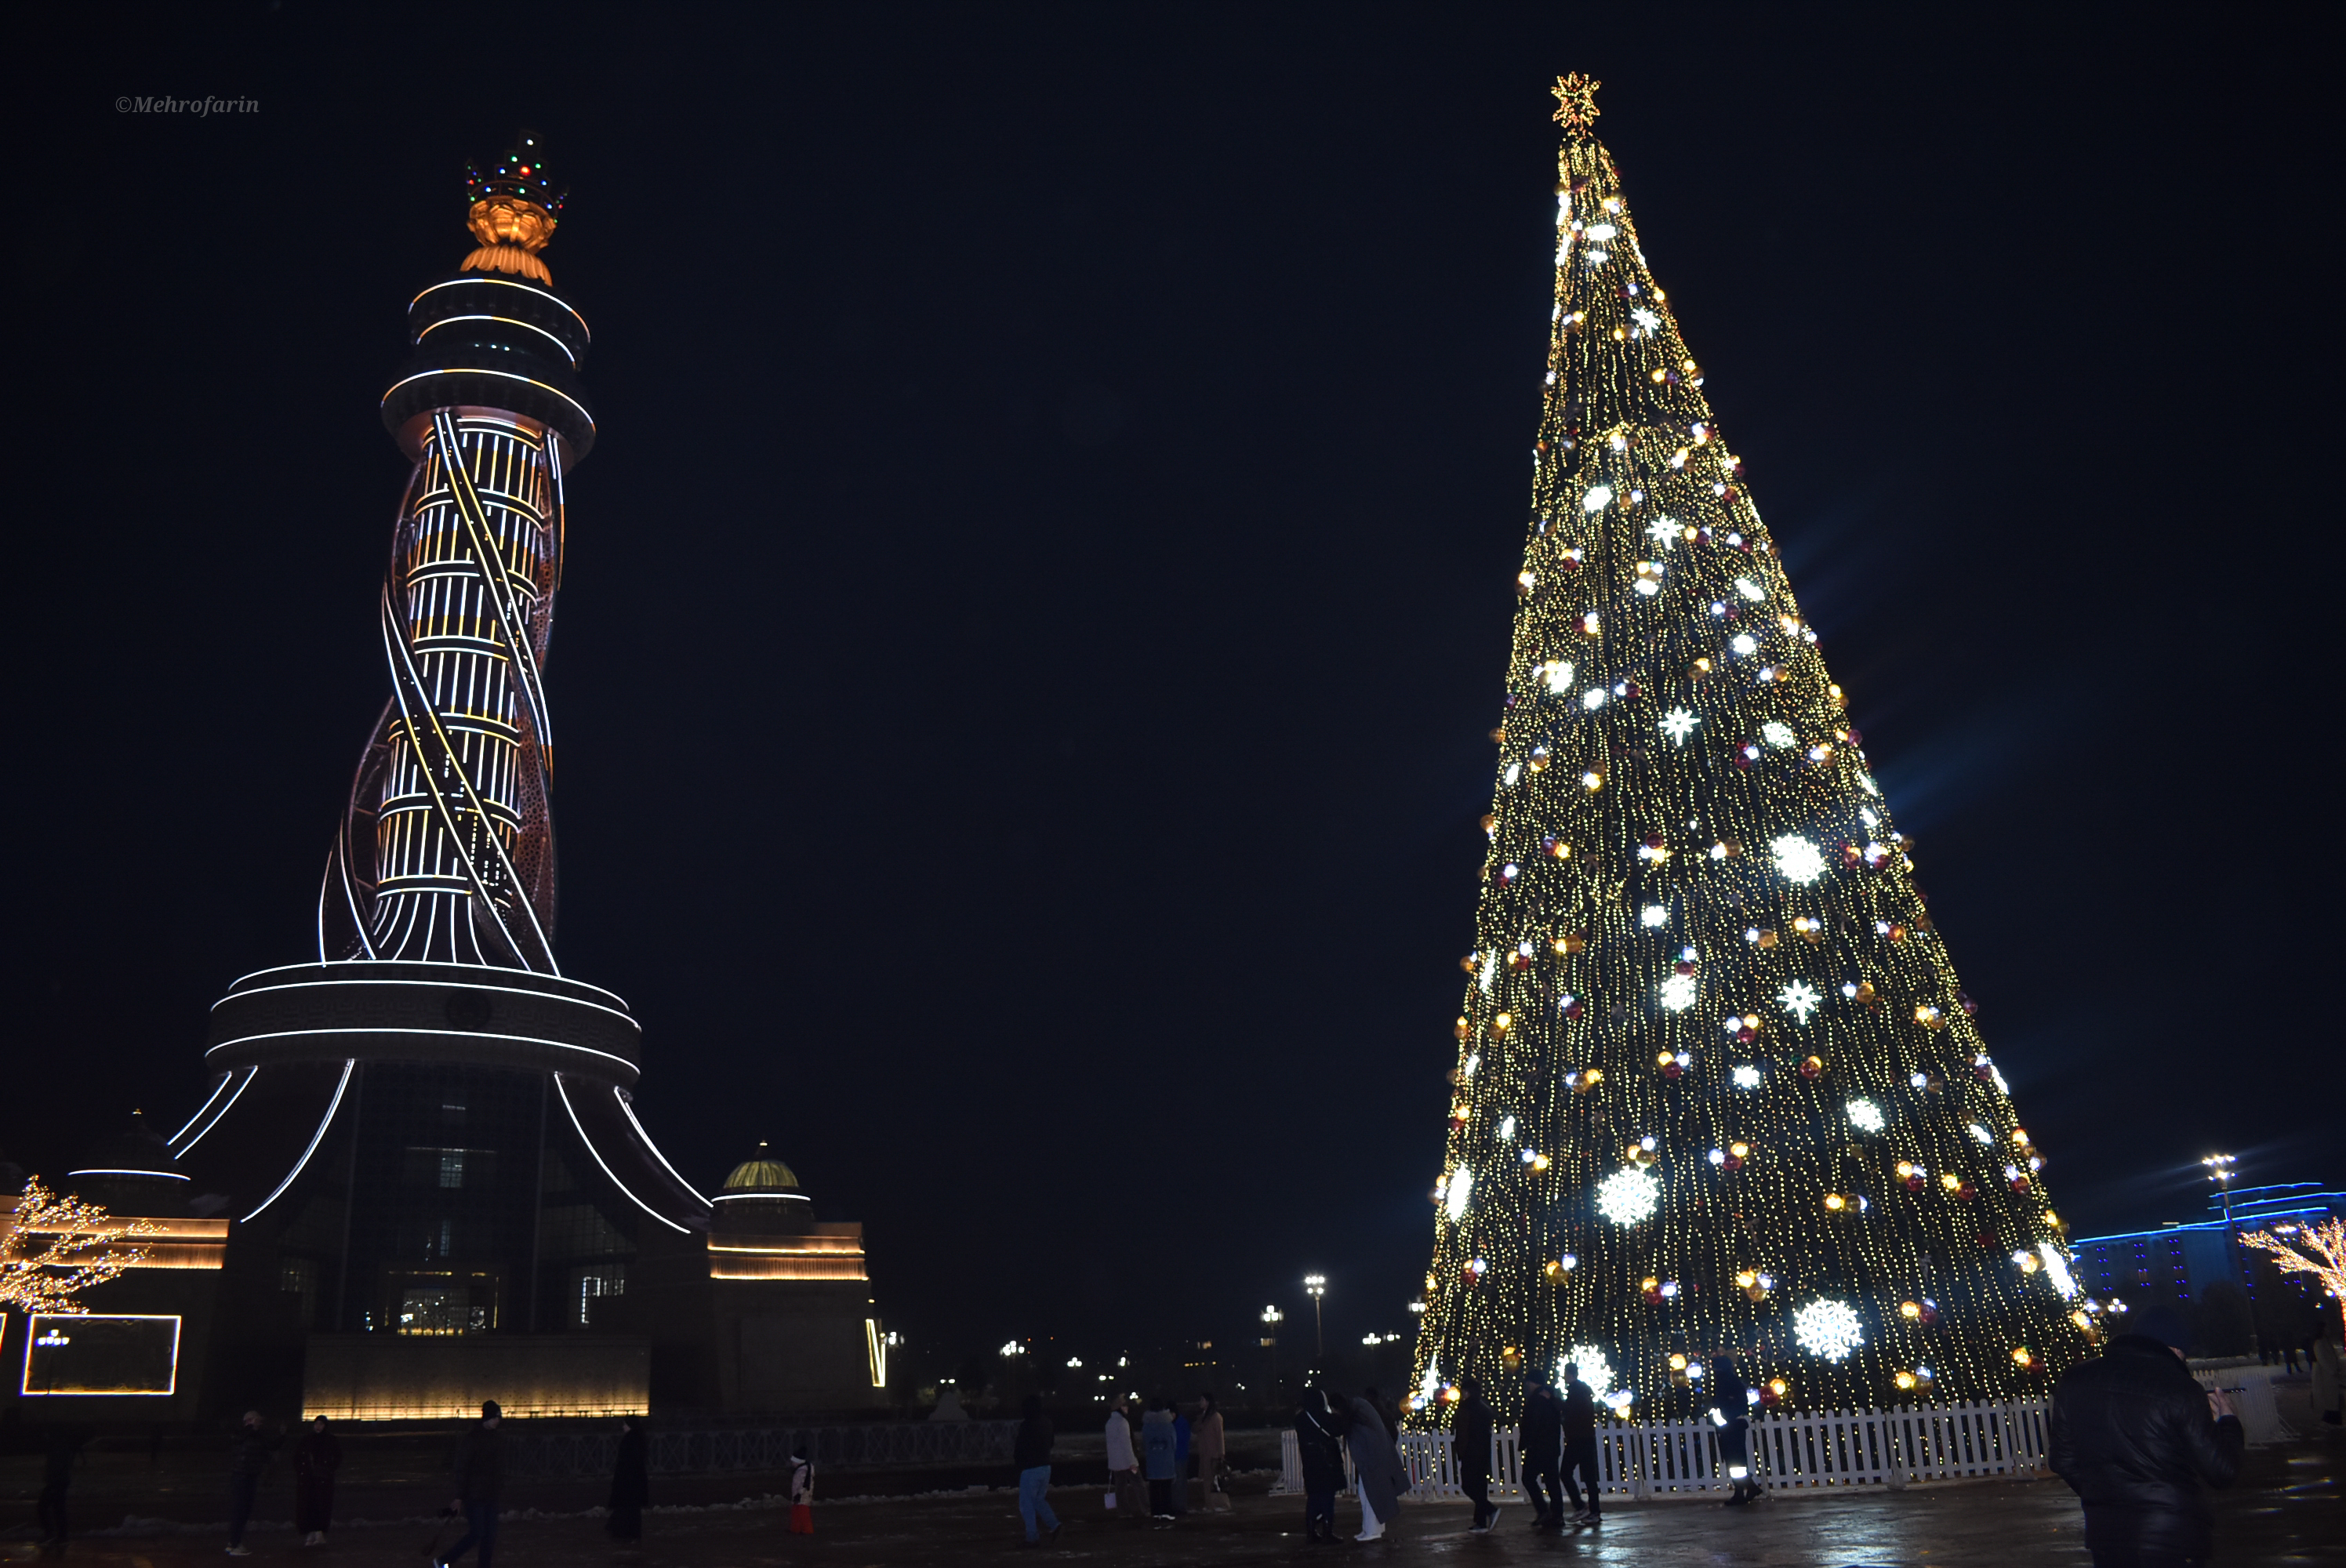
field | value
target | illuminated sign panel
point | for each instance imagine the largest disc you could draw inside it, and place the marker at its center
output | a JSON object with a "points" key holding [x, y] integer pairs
{"points": [[89, 1354]]}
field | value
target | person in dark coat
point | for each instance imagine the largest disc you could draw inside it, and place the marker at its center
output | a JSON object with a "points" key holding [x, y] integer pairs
{"points": [[1376, 1466], [1320, 1444], [1180, 1460], [1580, 1446], [1543, 1452], [61, 1444], [316, 1458], [631, 1481], [1032, 1455], [1730, 1412], [2136, 1437], [248, 1453], [479, 1482], [1470, 1444]]}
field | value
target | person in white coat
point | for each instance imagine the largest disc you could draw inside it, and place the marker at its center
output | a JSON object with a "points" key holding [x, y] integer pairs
{"points": [[1123, 1463]]}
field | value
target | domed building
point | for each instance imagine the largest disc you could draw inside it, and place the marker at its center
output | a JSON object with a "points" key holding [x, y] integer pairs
{"points": [[762, 1198], [795, 1328], [132, 1172]]}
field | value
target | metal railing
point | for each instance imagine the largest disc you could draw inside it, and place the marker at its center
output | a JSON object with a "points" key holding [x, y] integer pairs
{"points": [[1826, 1448], [715, 1450]]}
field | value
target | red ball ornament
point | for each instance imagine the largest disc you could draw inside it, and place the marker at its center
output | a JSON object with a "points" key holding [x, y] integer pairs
{"points": [[1630, 688], [2020, 1184], [1745, 1035], [1567, 565], [1654, 1296], [1810, 1067], [1684, 966], [1966, 1192], [1856, 736], [1671, 1070], [1573, 1009], [1519, 961], [1930, 1315], [1731, 1163], [1769, 1397], [1983, 1073], [1916, 1184]]}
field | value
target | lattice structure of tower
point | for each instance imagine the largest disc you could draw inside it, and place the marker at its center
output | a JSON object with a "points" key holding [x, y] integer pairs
{"points": [[1716, 1088], [427, 1129]]}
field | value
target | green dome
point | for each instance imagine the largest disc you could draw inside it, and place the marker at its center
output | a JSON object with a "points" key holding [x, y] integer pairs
{"points": [[762, 1173]]}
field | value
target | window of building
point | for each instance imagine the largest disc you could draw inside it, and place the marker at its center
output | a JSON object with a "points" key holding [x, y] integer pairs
{"points": [[299, 1278], [588, 1287]]}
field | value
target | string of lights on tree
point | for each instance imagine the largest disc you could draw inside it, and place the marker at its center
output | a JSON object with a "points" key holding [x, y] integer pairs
{"points": [[54, 1246], [1716, 1090]]}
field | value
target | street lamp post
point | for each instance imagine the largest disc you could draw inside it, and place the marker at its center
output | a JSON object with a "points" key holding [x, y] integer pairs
{"points": [[1271, 1318], [2220, 1171], [1316, 1285]]}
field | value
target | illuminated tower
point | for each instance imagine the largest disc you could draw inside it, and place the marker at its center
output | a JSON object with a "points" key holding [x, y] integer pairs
{"points": [[427, 1129], [1716, 1088]]}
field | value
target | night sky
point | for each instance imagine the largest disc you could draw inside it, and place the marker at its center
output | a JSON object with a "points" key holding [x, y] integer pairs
{"points": [[1035, 610]]}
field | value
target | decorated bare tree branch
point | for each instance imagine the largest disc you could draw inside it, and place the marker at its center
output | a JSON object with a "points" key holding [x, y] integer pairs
{"points": [[2327, 1239], [53, 1248]]}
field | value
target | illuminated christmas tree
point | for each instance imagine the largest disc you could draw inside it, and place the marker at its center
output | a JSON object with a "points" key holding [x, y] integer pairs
{"points": [[1715, 1087]]}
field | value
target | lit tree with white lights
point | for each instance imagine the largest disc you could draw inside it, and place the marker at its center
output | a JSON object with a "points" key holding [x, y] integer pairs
{"points": [[1715, 1086]]}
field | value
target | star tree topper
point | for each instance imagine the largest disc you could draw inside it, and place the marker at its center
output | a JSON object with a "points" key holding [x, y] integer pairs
{"points": [[1576, 100]]}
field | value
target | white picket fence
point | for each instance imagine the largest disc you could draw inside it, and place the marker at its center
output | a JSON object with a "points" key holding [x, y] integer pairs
{"points": [[1680, 1459]]}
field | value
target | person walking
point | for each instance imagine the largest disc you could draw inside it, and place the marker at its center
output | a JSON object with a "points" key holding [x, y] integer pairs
{"points": [[1579, 1425], [1730, 1412], [1319, 1445], [316, 1458], [801, 1492], [1123, 1464], [1211, 1443], [1470, 1448], [1376, 1467], [1543, 1453], [631, 1482], [1032, 1454], [2136, 1437], [480, 1483], [249, 1452], [1158, 1448]]}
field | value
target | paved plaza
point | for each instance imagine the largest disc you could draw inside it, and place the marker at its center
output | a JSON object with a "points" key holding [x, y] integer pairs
{"points": [[2286, 1509]]}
